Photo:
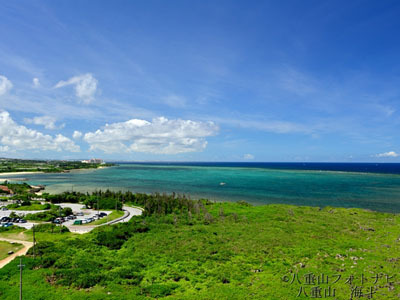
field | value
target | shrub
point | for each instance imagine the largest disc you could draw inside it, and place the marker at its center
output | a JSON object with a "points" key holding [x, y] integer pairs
{"points": [[160, 290], [50, 228]]}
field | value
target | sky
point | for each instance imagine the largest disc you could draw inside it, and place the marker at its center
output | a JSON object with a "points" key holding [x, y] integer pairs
{"points": [[200, 80]]}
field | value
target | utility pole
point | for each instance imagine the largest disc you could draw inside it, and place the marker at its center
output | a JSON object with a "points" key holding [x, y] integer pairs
{"points": [[20, 277], [34, 240], [59, 214]]}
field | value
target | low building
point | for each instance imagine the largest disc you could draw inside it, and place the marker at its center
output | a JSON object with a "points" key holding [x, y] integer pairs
{"points": [[93, 161], [5, 190]]}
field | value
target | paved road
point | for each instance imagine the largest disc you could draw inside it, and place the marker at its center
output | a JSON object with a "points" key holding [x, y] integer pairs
{"points": [[129, 213], [88, 213], [23, 251], [27, 225]]}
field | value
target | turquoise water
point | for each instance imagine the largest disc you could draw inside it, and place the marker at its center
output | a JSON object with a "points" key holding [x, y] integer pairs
{"points": [[255, 185]]}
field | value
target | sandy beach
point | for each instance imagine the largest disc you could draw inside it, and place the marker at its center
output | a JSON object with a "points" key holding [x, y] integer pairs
{"points": [[17, 173]]}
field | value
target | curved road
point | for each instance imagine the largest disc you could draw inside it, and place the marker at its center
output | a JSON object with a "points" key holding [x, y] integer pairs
{"points": [[23, 251], [128, 214]]}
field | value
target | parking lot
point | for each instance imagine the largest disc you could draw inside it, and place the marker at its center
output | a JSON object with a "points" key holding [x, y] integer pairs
{"points": [[80, 213]]}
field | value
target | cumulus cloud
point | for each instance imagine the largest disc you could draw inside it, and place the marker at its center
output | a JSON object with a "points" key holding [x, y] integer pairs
{"points": [[388, 154], [36, 82], [46, 121], [248, 156], [85, 86], [5, 85], [77, 135], [161, 136], [17, 137]]}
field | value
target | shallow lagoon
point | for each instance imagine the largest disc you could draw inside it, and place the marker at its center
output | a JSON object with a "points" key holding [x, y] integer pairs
{"points": [[324, 185]]}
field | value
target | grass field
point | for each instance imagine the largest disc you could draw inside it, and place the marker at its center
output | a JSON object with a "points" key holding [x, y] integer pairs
{"points": [[232, 251], [34, 206], [5, 247]]}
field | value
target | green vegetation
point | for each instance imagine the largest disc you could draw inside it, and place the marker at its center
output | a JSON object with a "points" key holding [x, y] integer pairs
{"points": [[97, 199], [52, 166], [182, 249], [49, 215], [34, 206], [50, 228], [5, 247], [17, 188]]}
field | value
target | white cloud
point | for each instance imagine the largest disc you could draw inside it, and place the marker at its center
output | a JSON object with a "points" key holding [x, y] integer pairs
{"points": [[47, 121], [388, 154], [36, 82], [77, 135], [248, 156], [160, 136], [85, 86], [18, 137], [5, 85], [174, 101]]}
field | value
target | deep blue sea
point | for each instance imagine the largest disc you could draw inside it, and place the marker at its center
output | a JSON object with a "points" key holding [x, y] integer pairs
{"points": [[364, 185]]}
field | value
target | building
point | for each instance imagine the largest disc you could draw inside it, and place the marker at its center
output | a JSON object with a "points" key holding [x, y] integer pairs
{"points": [[93, 161], [6, 190]]}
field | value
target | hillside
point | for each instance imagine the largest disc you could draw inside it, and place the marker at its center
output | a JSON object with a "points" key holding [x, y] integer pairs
{"points": [[218, 251]]}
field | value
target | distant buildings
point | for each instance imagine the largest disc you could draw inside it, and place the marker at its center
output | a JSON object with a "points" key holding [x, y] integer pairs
{"points": [[93, 161], [5, 189]]}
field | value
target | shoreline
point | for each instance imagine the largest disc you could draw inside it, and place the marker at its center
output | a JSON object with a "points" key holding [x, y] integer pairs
{"points": [[19, 173], [41, 172]]}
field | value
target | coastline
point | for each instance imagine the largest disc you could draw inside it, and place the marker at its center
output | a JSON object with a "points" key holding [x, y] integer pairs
{"points": [[20, 173], [41, 172]]}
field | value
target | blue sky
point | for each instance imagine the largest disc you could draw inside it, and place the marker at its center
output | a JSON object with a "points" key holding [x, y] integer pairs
{"points": [[200, 80]]}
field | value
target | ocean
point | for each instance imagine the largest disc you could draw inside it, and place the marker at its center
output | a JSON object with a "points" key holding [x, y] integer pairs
{"points": [[363, 185]]}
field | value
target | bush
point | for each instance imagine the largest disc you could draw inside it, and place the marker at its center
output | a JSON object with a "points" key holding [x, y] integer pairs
{"points": [[50, 228], [26, 203], [40, 216], [159, 290], [113, 237]]}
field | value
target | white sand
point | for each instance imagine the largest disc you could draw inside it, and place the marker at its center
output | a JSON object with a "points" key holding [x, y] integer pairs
{"points": [[18, 173]]}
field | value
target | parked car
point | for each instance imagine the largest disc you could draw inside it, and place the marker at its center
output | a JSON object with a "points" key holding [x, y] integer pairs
{"points": [[79, 214], [58, 220], [7, 224], [78, 222], [103, 214], [4, 208]]}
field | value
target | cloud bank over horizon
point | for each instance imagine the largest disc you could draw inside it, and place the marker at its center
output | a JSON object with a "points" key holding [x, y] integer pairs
{"points": [[14, 137], [160, 136]]}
